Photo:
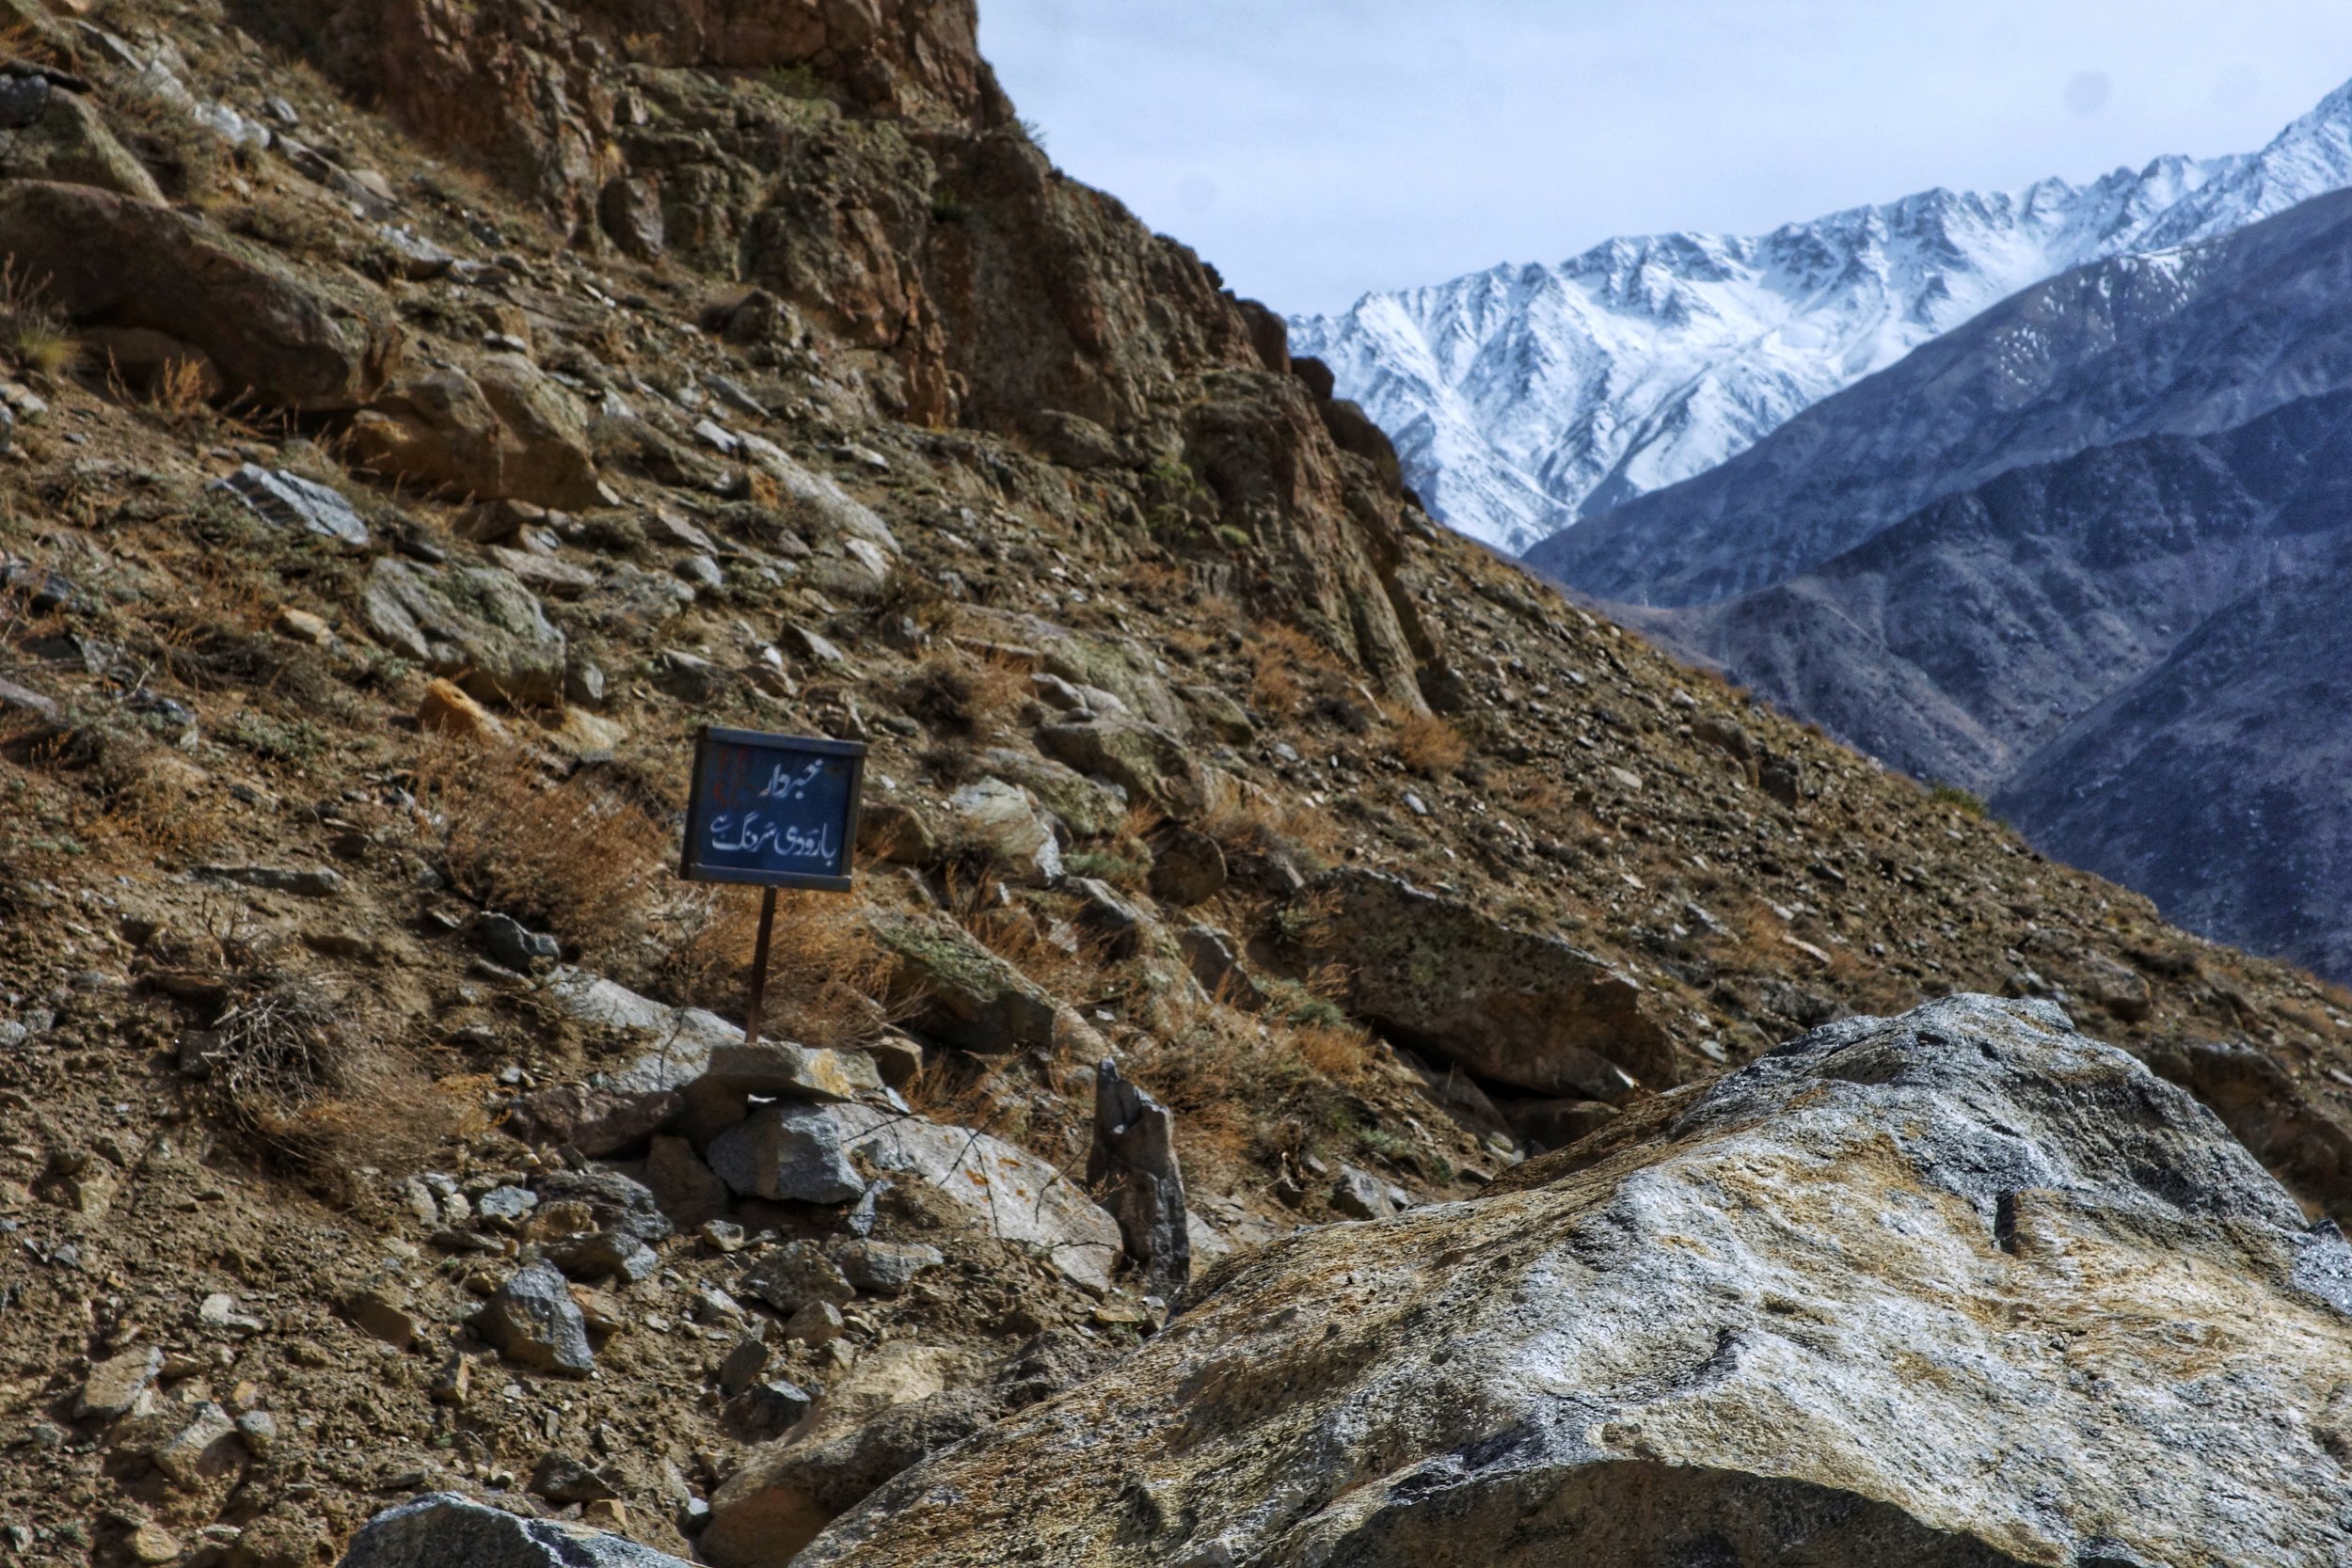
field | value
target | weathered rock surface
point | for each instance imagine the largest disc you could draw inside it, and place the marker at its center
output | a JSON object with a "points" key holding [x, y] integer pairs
{"points": [[1511, 1006], [1133, 1164], [958, 990], [1959, 1287], [50, 132], [786, 1493], [476, 625], [532, 1320], [507, 432], [1010, 1194], [445, 1530], [676, 1042], [115, 260]]}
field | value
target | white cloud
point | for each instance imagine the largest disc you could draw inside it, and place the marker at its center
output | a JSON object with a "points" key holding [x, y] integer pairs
{"points": [[1314, 148]]}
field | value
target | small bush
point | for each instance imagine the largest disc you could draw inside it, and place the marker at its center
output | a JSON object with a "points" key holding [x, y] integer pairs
{"points": [[1429, 746], [580, 857], [1958, 799]]}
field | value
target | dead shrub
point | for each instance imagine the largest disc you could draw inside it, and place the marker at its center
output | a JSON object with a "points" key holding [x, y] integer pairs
{"points": [[34, 333], [1429, 746], [581, 856], [184, 155], [1255, 824], [824, 968], [290, 1066]]}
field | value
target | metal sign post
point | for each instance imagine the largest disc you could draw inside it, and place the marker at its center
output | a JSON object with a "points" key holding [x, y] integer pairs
{"points": [[774, 811]]}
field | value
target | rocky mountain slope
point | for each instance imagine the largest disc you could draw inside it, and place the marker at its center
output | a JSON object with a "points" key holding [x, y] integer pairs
{"points": [[1524, 399], [423, 417]]}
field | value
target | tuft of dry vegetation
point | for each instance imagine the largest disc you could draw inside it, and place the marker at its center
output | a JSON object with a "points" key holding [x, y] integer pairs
{"points": [[1429, 746], [580, 856]]}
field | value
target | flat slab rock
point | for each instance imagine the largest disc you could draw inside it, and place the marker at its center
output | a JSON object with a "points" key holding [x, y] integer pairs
{"points": [[1012, 1194], [445, 1530], [1961, 1288], [677, 1041]]}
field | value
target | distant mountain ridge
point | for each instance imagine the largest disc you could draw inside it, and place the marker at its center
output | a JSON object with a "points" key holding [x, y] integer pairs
{"points": [[1526, 397], [2086, 555]]}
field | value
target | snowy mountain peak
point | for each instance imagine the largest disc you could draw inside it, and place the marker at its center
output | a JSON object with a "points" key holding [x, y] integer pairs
{"points": [[1527, 396]]}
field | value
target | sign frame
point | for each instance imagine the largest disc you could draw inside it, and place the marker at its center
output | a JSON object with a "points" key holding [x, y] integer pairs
{"points": [[706, 737]]}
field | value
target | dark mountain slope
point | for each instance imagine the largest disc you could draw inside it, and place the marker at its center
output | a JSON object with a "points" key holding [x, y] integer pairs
{"points": [[1970, 642], [2187, 342], [2221, 782]]}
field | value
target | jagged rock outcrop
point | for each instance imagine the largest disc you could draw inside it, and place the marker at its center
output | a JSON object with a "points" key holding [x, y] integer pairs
{"points": [[106, 260], [1959, 1287]]}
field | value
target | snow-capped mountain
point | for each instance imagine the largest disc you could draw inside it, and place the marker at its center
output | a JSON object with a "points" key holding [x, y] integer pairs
{"points": [[1523, 398]]}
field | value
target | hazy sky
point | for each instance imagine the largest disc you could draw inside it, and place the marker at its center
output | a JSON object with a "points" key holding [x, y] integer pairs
{"points": [[1315, 148]]}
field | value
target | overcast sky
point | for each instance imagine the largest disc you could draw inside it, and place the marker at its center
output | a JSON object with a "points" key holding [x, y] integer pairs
{"points": [[1316, 148]]}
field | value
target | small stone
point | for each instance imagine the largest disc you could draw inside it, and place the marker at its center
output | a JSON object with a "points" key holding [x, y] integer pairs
{"points": [[787, 1151], [453, 1382], [120, 1385], [506, 1208], [768, 1409], [561, 1479], [818, 1322], [1361, 1195], [795, 1274], [303, 626], [898, 1059], [532, 1320], [219, 1312], [151, 1543], [1187, 865], [258, 1429], [807, 645], [509, 943], [384, 1316], [687, 1189], [605, 1514], [723, 1236], [445, 709], [199, 1449], [606, 1255], [885, 1268], [288, 501], [743, 1365]]}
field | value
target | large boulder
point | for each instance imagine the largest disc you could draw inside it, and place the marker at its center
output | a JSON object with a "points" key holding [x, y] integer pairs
{"points": [[1961, 1288], [787, 1492], [476, 625], [507, 432], [1150, 764], [107, 259], [442, 1529], [1513, 1006], [1009, 1193], [50, 132], [958, 991]]}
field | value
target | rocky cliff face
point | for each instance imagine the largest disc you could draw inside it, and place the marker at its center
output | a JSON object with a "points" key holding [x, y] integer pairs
{"points": [[1959, 1287], [387, 501]]}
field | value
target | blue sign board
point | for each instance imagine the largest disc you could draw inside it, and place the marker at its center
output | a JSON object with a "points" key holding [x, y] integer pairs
{"points": [[778, 810]]}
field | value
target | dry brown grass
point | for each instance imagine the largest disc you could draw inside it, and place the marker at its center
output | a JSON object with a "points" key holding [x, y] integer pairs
{"points": [[824, 968], [1247, 1089], [1257, 822], [1429, 746], [1288, 670], [289, 1065], [580, 856]]}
